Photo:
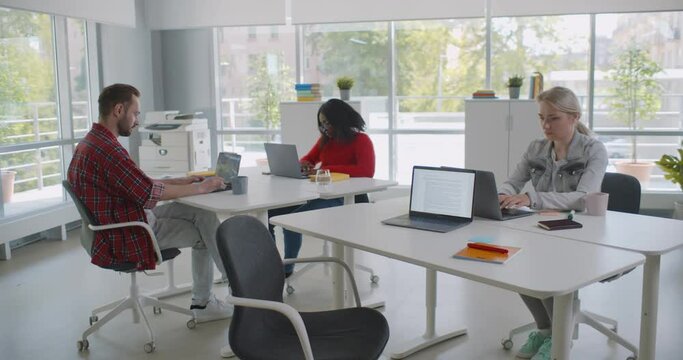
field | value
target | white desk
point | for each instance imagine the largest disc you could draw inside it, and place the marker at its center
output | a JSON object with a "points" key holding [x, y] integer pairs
{"points": [[650, 236], [580, 264]]}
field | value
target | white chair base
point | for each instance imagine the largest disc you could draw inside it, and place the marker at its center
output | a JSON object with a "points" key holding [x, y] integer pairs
{"points": [[136, 302], [582, 317]]}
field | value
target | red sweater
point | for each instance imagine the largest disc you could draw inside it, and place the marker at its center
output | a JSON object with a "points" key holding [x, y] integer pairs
{"points": [[356, 158]]}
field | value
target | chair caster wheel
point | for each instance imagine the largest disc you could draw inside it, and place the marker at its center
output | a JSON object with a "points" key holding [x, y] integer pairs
{"points": [[374, 279], [191, 324], [290, 290], [82, 345], [156, 310], [507, 344], [93, 319], [149, 347]]}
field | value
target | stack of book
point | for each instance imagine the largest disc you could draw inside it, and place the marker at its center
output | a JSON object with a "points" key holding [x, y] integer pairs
{"points": [[308, 92], [484, 94]]}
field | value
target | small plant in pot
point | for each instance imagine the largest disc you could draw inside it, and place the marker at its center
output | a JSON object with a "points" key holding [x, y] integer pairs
{"points": [[635, 98], [514, 84], [345, 84]]}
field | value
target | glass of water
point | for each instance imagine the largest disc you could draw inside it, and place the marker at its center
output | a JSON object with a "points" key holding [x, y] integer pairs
{"points": [[323, 179]]}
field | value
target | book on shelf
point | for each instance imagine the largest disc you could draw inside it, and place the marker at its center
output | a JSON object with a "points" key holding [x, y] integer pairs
{"points": [[484, 94], [497, 257]]}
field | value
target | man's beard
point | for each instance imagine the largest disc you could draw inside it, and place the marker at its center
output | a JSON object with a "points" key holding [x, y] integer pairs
{"points": [[126, 132]]}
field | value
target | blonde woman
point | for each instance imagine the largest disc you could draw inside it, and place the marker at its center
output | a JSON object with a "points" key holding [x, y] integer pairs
{"points": [[563, 167]]}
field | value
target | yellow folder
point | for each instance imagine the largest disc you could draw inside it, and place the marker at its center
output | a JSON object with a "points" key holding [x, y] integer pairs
{"points": [[335, 176]]}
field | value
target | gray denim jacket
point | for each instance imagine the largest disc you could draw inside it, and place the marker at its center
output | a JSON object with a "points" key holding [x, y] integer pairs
{"points": [[579, 174]]}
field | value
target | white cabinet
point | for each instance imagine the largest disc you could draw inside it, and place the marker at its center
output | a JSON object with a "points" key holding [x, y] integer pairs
{"points": [[298, 121], [174, 152], [498, 132]]}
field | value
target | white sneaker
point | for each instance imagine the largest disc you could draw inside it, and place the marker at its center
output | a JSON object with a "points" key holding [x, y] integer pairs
{"points": [[215, 310]]}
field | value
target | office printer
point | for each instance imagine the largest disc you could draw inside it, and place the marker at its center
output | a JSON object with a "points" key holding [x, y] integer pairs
{"points": [[174, 144]]}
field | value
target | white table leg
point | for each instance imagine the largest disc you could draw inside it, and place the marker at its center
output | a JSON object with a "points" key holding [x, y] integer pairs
{"points": [[262, 215], [563, 326], [648, 316], [430, 336], [5, 252]]}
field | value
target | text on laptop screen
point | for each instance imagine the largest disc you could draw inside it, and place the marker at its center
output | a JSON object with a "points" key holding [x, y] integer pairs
{"points": [[442, 192]]}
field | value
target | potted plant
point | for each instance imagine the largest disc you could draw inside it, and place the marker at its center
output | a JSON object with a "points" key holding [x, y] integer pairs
{"points": [[514, 84], [635, 97], [345, 84], [672, 166]]}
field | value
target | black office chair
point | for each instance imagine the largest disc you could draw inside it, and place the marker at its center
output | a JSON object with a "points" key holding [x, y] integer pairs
{"points": [[135, 300], [263, 327], [624, 192], [624, 196]]}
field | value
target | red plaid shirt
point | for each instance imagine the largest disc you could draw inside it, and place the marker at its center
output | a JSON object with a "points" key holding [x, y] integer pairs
{"points": [[115, 190]]}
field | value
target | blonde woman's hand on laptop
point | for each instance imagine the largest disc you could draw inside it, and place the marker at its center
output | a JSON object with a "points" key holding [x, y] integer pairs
{"points": [[513, 201]]}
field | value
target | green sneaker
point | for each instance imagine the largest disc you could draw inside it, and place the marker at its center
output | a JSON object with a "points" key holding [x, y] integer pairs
{"points": [[532, 345], [544, 352]]}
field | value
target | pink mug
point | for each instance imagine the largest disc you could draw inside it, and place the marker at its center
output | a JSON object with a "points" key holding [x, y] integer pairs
{"points": [[596, 203]]}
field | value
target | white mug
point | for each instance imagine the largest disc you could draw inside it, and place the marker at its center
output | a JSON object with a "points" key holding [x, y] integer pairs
{"points": [[596, 203]]}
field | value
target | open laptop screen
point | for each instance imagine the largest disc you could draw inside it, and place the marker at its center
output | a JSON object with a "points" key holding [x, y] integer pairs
{"points": [[228, 165], [442, 192]]}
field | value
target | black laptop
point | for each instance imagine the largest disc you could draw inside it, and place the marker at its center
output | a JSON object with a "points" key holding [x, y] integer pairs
{"points": [[441, 199], [486, 203], [227, 167]]}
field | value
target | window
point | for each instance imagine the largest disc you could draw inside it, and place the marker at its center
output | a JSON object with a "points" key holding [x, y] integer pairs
{"points": [[32, 136], [256, 74], [649, 42]]}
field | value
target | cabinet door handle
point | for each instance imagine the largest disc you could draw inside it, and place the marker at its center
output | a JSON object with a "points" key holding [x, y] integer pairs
{"points": [[163, 152], [162, 167]]}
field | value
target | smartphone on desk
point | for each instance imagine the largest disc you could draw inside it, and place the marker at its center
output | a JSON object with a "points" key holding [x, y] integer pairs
{"points": [[559, 224]]}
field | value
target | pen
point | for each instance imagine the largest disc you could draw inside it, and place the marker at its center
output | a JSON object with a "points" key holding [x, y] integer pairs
{"points": [[487, 247], [571, 215]]}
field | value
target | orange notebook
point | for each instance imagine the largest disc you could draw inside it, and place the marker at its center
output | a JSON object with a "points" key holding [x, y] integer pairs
{"points": [[469, 253]]}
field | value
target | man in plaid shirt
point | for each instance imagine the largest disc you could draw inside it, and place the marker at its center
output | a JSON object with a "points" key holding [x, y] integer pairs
{"points": [[115, 190]]}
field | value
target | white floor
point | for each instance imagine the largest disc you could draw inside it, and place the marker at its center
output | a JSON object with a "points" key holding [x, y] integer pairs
{"points": [[47, 290]]}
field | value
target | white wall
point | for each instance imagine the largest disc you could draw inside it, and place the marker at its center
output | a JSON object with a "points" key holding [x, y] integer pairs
{"points": [[187, 70], [126, 57]]}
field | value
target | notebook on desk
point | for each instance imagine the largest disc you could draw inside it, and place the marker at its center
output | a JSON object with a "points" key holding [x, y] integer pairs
{"points": [[227, 167], [441, 199], [283, 160]]}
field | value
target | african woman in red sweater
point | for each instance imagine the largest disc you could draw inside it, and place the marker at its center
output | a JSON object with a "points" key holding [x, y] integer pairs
{"points": [[343, 147]]}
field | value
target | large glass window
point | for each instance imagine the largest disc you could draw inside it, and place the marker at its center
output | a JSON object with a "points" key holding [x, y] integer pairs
{"points": [[31, 142], [556, 46], [638, 106], [257, 71]]}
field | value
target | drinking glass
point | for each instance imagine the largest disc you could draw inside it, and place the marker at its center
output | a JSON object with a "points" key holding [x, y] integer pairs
{"points": [[323, 179]]}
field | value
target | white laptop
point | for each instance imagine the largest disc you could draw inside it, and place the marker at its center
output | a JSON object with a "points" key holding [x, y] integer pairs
{"points": [[441, 199], [283, 160]]}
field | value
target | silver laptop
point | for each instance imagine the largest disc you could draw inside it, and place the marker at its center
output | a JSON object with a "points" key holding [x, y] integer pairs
{"points": [[441, 199], [227, 167], [283, 160], [486, 199]]}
